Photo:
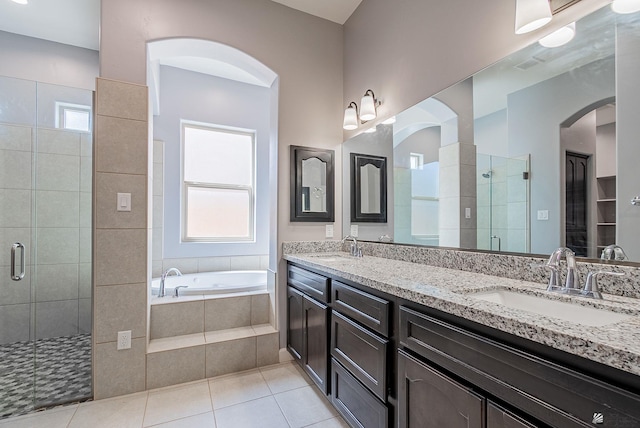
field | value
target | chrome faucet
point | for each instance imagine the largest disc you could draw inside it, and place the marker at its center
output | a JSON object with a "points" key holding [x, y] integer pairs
{"points": [[356, 251], [553, 264], [613, 252], [591, 288], [164, 276], [176, 290]]}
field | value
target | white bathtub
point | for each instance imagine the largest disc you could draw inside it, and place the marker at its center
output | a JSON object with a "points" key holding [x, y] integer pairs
{"points": [[206, 283]]}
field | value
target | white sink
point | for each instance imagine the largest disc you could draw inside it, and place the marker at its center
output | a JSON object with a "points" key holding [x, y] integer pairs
{"points": [[572, 312]]}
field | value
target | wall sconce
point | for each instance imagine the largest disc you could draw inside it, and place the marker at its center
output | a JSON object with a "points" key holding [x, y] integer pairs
{"points": [[560, 37], [350, 121], [625, 6], [368, 111], [531, 15]]}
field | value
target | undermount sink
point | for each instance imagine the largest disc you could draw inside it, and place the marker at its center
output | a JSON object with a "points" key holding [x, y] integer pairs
{"points": [[332, 258], [540, 305]]}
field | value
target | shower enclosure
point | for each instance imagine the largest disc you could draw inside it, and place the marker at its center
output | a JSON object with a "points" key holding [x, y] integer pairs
{"points": [[503, 203], [45, 245]]}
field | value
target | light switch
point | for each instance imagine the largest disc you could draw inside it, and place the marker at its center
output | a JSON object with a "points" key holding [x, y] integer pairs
{"points": [[354, 230], [467, 213], [124, 202], [328, 231], [543, 214]]}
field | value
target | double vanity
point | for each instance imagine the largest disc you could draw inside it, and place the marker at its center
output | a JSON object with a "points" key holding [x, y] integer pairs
{"points": [[396, 343]]}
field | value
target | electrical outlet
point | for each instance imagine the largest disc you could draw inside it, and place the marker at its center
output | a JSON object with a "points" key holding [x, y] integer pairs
{"points": [[124, 340], [354, 230], [328, 233], [543, 215]]}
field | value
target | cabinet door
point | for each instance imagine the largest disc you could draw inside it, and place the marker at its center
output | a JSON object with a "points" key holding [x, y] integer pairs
{"points": [[497, 417], [429, 399], [315, 356], [295, 322]]}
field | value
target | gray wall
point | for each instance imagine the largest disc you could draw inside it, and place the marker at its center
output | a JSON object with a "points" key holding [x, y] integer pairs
{"points": [[535, 115], [43, 61], [407, 51]]}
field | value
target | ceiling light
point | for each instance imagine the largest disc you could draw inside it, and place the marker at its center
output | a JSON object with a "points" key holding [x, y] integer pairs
{"points": [[625, 6], [368, 106], [531, 15], [350, 121], [21, 1], [389, 121], [559, 37]]}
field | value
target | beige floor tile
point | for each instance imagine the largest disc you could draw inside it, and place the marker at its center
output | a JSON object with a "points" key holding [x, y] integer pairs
{"points": [[172, 403], [54, 418], [263, 413], [336, 422], [305, 406], [204, 420], [284, 377], [238, 388], [125, 411]]}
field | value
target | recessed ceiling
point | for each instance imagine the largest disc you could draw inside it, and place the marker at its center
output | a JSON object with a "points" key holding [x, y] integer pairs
{"points": [[333, 10], [71, 22]]}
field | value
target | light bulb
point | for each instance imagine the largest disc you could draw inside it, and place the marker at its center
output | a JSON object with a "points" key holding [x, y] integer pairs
{"points": [[560, 37], [531, 15], [350, 119], [625, 6], [367, 107]]}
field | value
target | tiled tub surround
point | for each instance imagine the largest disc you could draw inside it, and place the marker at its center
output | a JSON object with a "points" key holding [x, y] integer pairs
{"points": [[193, 337], [616, 345]]}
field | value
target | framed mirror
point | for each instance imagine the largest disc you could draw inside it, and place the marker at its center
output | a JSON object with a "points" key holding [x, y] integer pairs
{"points": [[312, 184], [368, 188]]}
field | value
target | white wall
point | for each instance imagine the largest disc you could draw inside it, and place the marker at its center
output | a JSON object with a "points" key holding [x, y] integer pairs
{"points": [[43, 61]]}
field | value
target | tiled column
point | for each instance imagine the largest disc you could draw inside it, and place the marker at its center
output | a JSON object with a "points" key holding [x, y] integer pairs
{"points": [[120, 237], [457, 193]]}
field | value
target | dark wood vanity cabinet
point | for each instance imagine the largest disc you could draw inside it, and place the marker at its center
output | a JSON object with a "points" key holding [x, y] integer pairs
{"points": [[307, 324]]}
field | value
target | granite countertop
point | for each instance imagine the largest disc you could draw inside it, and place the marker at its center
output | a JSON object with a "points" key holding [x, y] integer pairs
{"points": [[451, 291]]}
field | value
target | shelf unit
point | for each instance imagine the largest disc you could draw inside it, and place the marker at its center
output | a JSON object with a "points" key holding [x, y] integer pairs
{"points": [[606, 212]]}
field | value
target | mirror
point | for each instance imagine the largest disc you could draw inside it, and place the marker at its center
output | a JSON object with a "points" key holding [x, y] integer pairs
{"points": [[369, 188], [312, 184], [537, 151]]}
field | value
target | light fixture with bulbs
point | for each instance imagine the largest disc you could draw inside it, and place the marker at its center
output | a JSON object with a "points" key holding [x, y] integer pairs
{"points": [[531, 15], [368, 111], [560, 37], [625, 6]]}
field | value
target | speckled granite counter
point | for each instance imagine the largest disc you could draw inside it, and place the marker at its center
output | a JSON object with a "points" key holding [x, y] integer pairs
{"points": [[450, 291]]}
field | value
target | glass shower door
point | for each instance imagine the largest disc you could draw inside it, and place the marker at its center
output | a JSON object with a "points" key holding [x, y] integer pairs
{"points": [[45, 242]]}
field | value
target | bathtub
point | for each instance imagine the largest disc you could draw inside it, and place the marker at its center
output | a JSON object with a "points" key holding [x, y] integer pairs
{"points": [[208, 283]]}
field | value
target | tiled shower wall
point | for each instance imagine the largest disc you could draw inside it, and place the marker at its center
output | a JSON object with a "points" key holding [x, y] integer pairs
{"points": [[194, 264], [55, 219]]}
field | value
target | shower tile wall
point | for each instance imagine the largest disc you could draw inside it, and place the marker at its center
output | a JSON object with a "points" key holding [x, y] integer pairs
{"points": [[195, 264], [63, 232]]}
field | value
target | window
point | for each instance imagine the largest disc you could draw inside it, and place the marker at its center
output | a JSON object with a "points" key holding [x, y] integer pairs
{"points": [[416, 160], [218, 184], [75, 117]]}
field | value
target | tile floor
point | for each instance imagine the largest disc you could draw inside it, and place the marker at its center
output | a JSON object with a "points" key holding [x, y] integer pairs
{"points": [[275, 396]]}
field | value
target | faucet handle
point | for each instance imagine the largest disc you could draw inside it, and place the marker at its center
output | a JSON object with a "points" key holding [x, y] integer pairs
{"points": [[176, 290], [591, 288]]}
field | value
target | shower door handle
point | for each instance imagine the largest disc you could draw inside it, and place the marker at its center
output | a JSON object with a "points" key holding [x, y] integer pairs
{"points": [[14, 247]]}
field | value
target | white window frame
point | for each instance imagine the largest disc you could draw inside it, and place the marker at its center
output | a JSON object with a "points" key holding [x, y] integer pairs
{"points": [[190, 184], [62, 107], [419, 158]]}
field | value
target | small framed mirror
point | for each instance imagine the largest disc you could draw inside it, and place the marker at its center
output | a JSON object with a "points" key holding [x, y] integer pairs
{"points": [[368, 188], [312, 184]]}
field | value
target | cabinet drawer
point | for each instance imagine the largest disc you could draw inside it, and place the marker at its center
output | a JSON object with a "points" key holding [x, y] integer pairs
{"points": [[316, 286], [354, 402], [556, 395], [361, 352], [365, 308]]}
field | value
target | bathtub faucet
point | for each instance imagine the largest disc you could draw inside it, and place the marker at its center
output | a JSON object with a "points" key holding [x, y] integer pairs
{"points": [[164, 276]]}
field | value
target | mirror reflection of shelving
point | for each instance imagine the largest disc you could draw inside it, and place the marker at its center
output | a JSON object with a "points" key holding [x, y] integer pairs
{"points": [[606, 206]]}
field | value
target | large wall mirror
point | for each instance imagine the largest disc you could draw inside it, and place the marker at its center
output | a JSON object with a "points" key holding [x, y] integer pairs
{"points": [[539, 150], [312, 184]]}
